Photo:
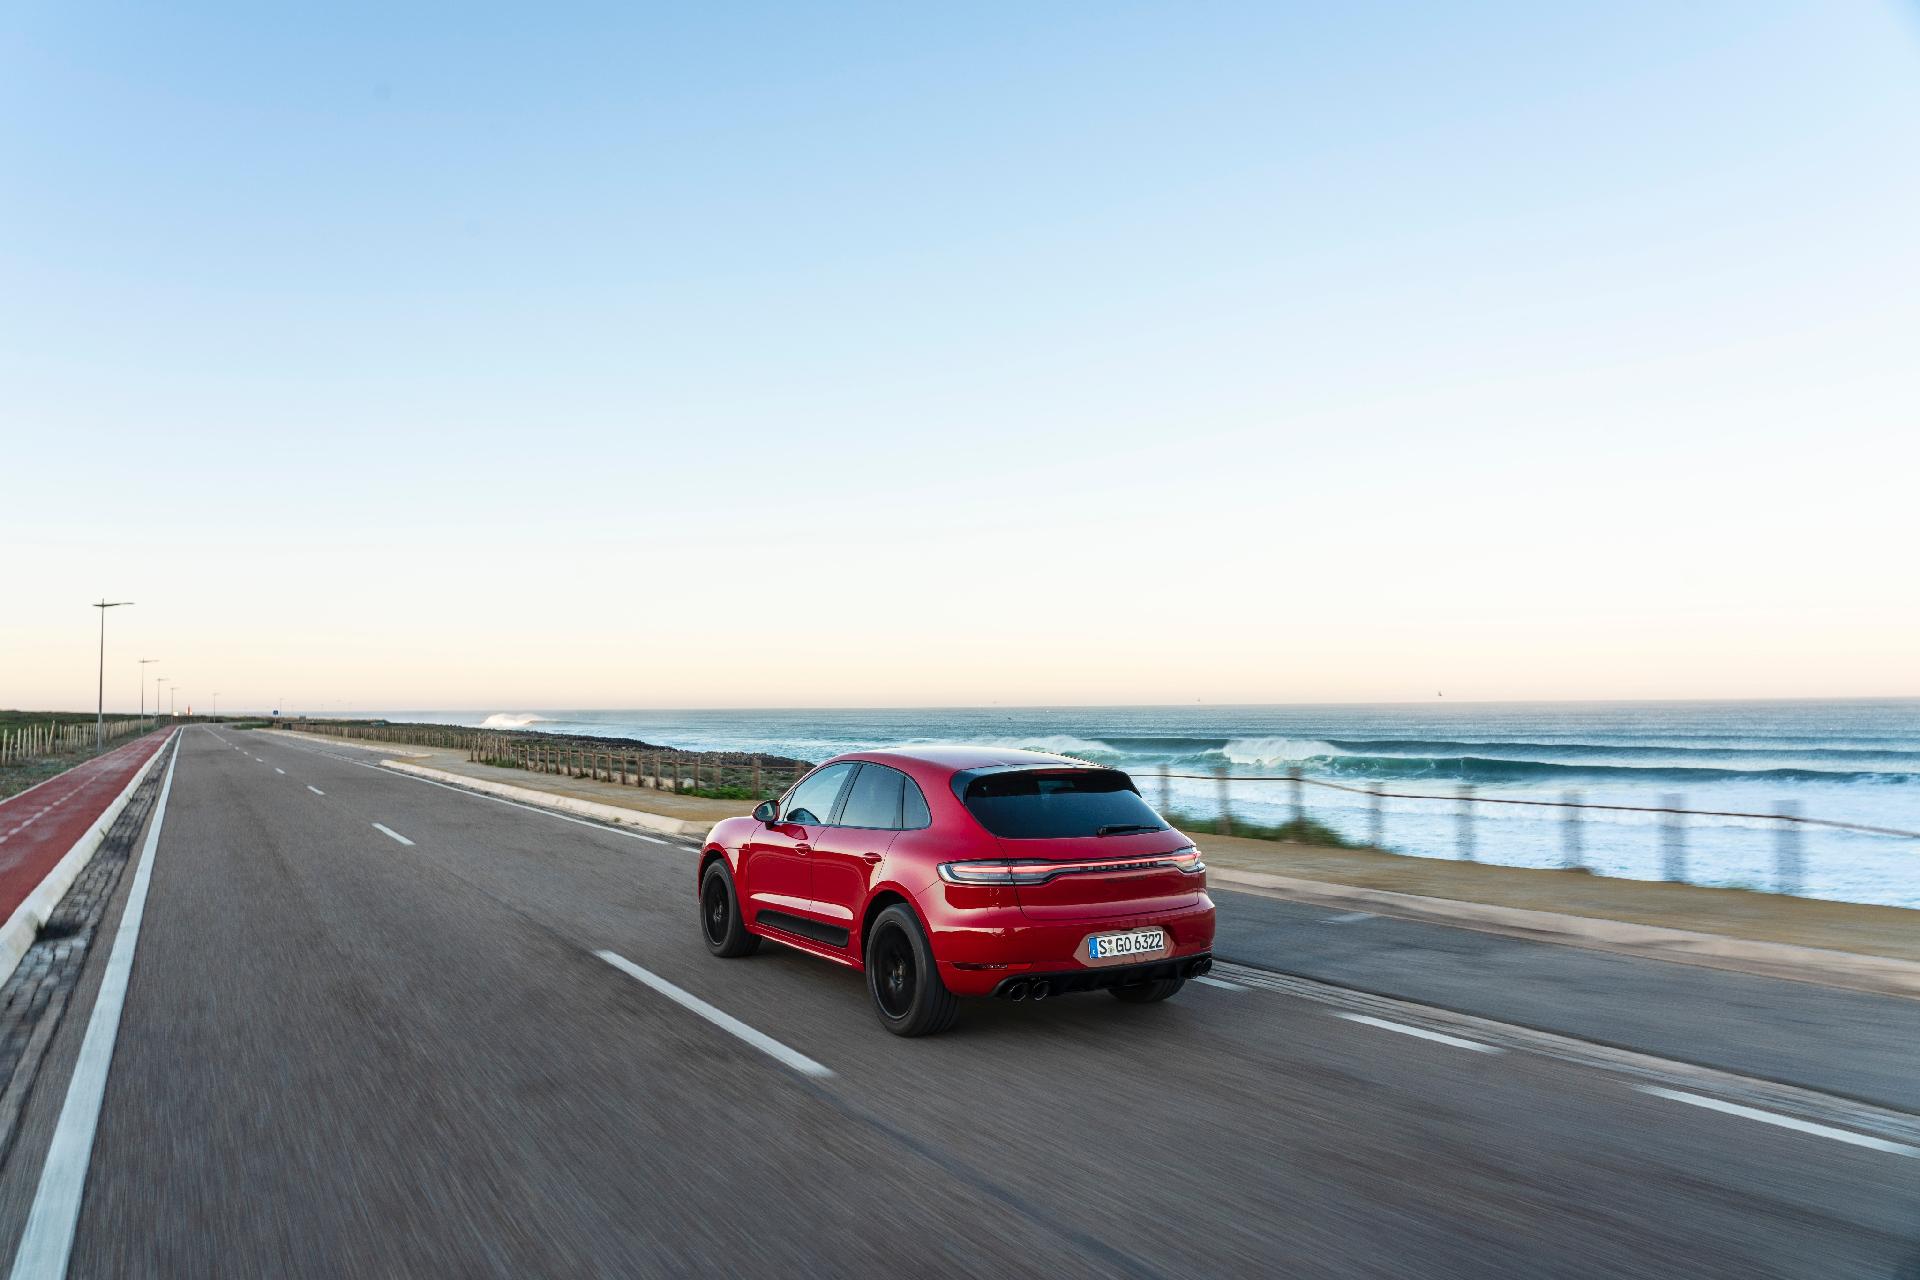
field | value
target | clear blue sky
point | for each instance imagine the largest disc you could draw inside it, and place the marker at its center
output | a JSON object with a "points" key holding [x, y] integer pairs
{"points": [[1522, 350]]}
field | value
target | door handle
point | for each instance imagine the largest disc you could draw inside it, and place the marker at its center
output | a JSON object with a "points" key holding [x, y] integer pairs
{"points": [[803, 848], [870, 857]]}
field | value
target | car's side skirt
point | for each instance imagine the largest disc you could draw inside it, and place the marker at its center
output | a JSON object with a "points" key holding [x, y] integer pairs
{"points": [[812, 930]]}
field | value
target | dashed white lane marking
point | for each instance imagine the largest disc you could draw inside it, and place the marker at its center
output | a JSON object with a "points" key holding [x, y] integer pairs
{"points": [[720, 1018], [1785, 1122], [1422, 1032], [317, 791], [1224, 986], [512, 804], [1348, 918], [48, 1240], [278, 769], [389, 831]]}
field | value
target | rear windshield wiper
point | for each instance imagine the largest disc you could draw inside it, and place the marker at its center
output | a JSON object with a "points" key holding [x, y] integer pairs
{"points": [[1122, 828]]}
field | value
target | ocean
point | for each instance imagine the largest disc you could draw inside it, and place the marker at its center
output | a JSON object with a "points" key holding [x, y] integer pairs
{"points": [[1853, 761]]}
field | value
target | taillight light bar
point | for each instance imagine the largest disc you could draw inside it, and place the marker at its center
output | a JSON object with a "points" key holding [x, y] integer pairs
{"points": [[994, 871]]}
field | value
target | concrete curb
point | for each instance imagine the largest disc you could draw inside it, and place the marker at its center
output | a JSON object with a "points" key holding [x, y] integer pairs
{"points": [[611, 813], [24, 925], [1877, 974]]}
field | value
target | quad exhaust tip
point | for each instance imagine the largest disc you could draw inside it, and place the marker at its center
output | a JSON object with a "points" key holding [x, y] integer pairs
{"points": [[1041, 991], [1018, 991], [1203, 965]]}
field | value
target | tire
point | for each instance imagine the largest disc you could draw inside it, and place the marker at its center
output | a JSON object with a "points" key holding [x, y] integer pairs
{"points": [[1148, 992], [721, 924], [908, 996]]}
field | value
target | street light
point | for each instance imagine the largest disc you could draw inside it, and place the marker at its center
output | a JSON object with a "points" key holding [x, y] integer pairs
{"points": [[143, 692], [156, 694], [215, 713], [100, 707]]}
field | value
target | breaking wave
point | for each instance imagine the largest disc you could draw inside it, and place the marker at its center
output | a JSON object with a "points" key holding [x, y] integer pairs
{"points": [[511, 720]]}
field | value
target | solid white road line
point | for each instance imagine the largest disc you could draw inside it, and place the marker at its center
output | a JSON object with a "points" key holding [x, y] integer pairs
{"points": [[1785, 1122], [1348, 918], [389, 831], [1422, 1032], [725, 1021], [317, 791], [1224, 986], [278, 769], [48, 1239]]}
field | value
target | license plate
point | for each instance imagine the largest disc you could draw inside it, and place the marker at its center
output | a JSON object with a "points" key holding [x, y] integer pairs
{"points": [[1121, 946]]}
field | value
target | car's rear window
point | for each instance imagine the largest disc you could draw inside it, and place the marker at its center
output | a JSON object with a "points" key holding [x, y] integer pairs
{"points": [[1054, 804]]}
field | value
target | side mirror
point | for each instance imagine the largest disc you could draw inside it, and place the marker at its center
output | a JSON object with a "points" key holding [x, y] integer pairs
{"points": [[764, 813]]}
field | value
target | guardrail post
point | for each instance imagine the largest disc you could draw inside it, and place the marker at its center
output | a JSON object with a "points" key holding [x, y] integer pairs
{"points": [[1166, 789], [1377, 824], [1673, 838], [1464, 822], [1575, 855], [756, 778], [1299, 799], [1226, 800], [1786, 848]]}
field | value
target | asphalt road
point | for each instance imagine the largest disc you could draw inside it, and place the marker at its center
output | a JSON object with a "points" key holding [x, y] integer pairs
{"points": [[342, 1054]]}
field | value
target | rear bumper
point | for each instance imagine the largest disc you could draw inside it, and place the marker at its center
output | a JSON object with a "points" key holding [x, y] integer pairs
{"points": [[1039, 986], [979, 950]]}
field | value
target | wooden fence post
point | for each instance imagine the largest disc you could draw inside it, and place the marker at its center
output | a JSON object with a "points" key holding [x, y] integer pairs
{"points": [[1574, 855], [1786, 848], [1673, 839]]}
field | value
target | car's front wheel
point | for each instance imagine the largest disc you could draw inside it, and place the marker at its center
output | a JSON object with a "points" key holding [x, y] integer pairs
{"points": [[1148, 992], [720, 920], [905, 985]]}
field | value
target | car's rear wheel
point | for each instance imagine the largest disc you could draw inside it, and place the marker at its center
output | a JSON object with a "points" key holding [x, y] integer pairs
{"points": [[908, 996], [720, 921], [1148, 992]]}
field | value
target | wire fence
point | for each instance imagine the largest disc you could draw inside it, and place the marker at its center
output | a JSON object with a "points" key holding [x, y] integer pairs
{"points": [[1785, 818]]}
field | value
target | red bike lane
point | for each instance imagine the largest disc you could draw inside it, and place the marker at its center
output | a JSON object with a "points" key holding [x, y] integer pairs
{"points": [[39, 826]]}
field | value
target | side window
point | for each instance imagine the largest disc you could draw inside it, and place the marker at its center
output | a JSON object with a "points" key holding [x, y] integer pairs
{"points": [[874, 798], [913, 807], [812, 801]]}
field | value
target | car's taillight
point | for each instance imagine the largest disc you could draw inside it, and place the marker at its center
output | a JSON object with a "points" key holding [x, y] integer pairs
{"points": [[1012, 871], [994, 873], [1188, 860]]}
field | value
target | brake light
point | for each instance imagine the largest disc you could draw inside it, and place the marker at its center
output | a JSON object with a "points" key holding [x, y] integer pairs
{"points": [[1188, 860], [993, 873], [1004, 871]]}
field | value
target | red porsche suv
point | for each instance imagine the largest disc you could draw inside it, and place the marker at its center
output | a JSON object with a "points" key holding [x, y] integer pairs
{"points": [[964, 871]]}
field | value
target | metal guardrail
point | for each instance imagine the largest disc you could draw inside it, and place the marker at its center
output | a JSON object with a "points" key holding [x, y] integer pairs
{"points": [[1786, 816]]}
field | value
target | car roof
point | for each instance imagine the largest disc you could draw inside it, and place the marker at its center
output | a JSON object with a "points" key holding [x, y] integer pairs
{"points": [[957, 757]]}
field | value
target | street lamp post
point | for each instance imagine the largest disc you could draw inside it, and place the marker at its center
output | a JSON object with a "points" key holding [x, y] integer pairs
{"points": [[100, 706], [143, 692], [215, 712], [156, 694]]}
